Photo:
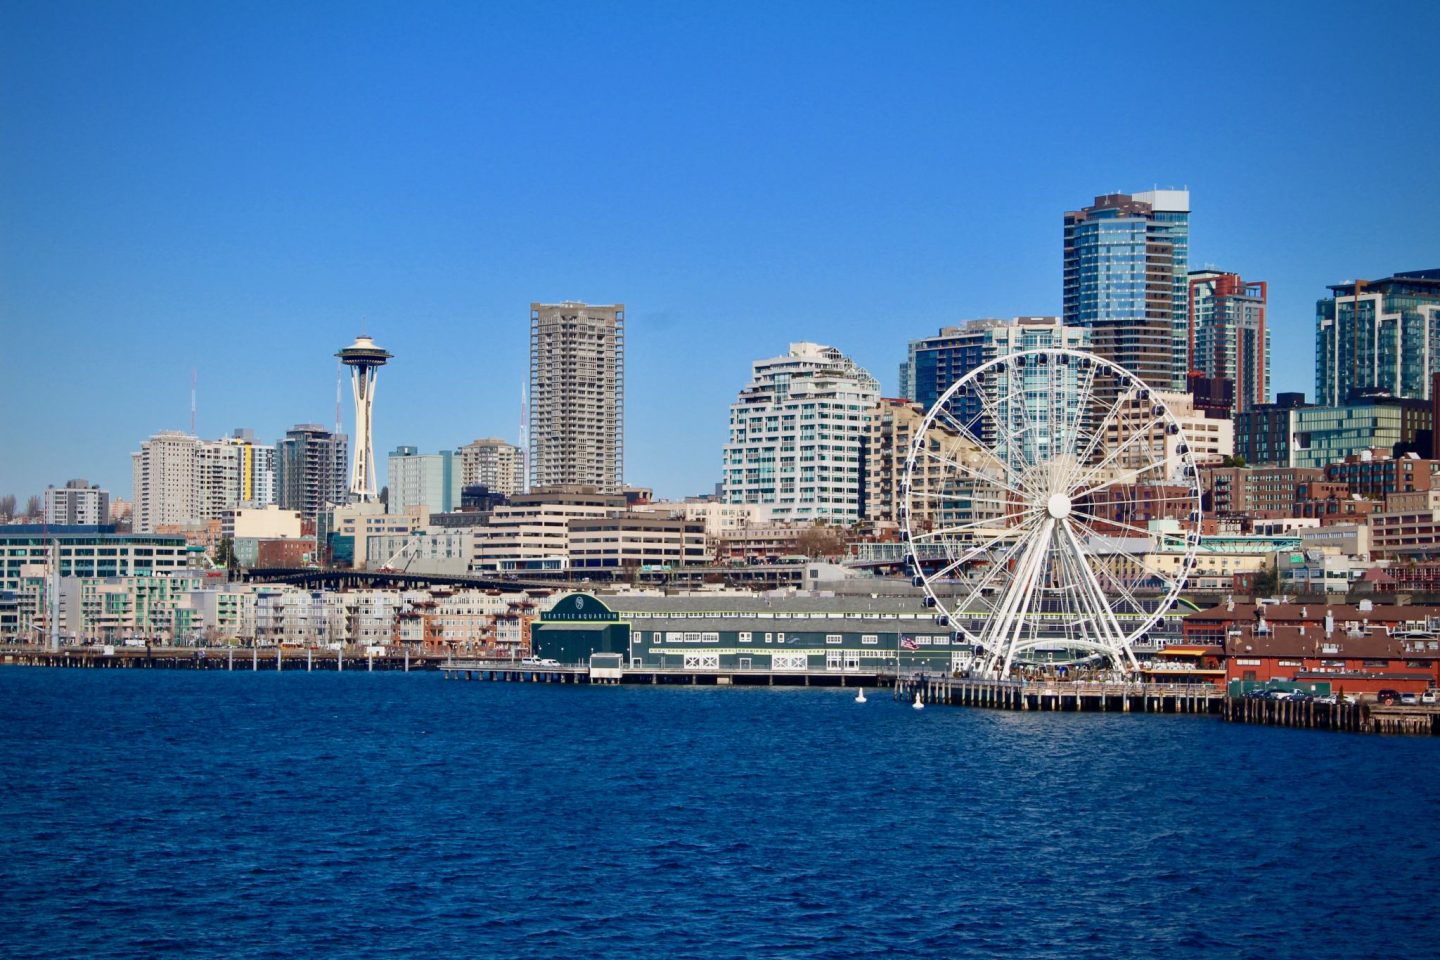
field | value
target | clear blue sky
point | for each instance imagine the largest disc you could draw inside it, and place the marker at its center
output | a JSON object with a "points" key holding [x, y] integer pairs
{"points": [[241, 187]]}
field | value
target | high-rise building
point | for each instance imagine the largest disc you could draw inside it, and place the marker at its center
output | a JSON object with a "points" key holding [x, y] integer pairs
{"points": [[255, 469], [181, 479], [797, 433], [78, 503], [165, 472], [1264, 433], [311, 470], [1126, 259], [1378, 334], [494, 464], [577, 395], [934, 363], [428, 481], [890, 434], [1228, 338]]}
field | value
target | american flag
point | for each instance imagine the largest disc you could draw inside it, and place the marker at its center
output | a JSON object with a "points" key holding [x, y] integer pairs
{"points": [[908, 643]]}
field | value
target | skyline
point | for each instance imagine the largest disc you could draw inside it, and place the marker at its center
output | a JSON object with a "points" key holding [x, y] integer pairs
{"points": [[242, 192]]}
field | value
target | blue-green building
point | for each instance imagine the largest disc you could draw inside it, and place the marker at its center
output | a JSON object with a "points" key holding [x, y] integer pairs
{"points": [[1378, 335]]}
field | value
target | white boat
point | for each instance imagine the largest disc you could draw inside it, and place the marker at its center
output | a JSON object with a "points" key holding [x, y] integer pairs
{"points": [[860, 697], [917, 704]]}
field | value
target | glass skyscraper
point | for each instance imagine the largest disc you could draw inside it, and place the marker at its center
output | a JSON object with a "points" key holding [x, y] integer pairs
{"points": [[1228, 338], [934, 363], [1378, 335], [1126, 265]]}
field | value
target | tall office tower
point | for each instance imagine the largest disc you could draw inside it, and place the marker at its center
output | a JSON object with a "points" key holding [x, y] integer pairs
{"points": [[935, 363], [311, 470], [428, 480], [1126, 260], [1228, 338], [364, 359], [797, 433], [493, 463], [1378, 335], [577, 395], [77, 503], [165, 471]]}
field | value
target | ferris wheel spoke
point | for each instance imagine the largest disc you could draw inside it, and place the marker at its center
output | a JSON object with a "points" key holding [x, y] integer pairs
{"points": [[1143, 433], [979, 441], [975, 474], [1123, 478], [1104, 569], [988, 577], [1112, 635], [972, 525], [1116, 404], [1138, 560], [1010, 626], [1085, 622], [971, 554], [1099, 521], [1005, 424]]}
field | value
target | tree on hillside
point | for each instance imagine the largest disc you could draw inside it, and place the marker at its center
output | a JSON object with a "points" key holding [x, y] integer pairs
{"points": [[821, 541], [7, 506], [34, 507]]}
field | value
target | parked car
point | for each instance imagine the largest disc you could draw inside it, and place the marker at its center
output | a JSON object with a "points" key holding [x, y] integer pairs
{"points": [[1410, 699], [1387, 696], [1431, 696]]}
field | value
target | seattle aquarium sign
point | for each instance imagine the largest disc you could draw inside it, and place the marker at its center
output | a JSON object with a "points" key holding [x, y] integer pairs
{"points": [[579, 606]]}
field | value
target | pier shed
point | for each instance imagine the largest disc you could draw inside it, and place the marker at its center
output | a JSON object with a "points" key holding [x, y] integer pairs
{"points": [[577, 626]]}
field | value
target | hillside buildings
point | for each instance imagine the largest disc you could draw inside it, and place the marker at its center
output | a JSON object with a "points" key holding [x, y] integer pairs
{"points": [[311, 470], [494, 464], [577, 395], [796, 434], [1378, 335], [1126, 259], [77, 503], [427, 482]]}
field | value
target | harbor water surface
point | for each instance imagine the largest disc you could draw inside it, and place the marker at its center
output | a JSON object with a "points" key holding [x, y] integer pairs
{"points": [[391, 815]]}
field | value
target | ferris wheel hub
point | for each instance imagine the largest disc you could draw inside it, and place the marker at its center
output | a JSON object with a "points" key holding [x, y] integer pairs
{"points": [[1058, 506]]}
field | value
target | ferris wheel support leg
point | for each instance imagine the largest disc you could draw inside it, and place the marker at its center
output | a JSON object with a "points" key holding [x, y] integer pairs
{"points": [[1094, 596], [1033, 566]]}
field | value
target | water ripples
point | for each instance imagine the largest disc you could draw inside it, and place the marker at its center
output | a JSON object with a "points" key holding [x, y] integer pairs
{"points": [[377, 815]]}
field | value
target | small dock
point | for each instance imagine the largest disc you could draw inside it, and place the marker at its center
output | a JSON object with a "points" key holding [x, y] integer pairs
{"points": [[1071, 696], [219, 658], [507, 671], [1362, 717]]}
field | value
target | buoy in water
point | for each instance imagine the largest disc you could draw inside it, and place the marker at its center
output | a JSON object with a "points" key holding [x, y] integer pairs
{"points": [[917, 704], [860, 697]]}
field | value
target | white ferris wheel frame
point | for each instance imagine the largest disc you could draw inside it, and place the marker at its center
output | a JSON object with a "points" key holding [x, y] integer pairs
{"points": [[1045, 526]]}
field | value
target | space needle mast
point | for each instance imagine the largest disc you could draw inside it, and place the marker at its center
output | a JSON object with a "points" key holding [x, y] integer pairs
{"points": [[364, 359]]}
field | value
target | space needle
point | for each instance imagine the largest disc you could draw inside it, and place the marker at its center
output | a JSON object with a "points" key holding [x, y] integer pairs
{"points": [[364, 359]]}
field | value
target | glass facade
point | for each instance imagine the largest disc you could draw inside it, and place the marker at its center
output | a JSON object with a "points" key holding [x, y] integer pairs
{"points": [[1378, 335], [1126, 260]]}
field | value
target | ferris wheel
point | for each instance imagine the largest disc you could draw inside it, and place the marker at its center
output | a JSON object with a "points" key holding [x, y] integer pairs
{"points": [[1052, 509]]}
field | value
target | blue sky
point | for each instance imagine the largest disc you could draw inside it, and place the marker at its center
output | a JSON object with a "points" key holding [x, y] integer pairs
{"points": [[241, 188]]}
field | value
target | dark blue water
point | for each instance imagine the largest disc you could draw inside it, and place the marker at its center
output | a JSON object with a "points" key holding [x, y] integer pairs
{"points": [[391, 815]]}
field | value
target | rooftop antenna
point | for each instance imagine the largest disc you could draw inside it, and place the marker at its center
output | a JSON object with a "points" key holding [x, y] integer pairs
{"points": [[194, 376]]}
